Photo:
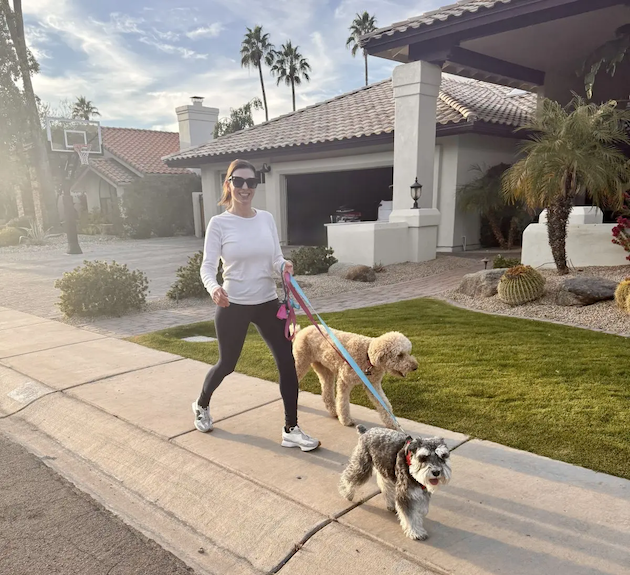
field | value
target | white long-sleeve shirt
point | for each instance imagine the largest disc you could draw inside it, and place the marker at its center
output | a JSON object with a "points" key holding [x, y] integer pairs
{"points": [[251, 254]]}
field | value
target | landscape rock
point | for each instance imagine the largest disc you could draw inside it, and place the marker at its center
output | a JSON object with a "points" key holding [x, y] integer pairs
{"points": [[585, 291], [361, 274], [483, 283], [339, 269]]}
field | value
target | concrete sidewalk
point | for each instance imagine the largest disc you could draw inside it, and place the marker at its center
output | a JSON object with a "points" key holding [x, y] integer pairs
{"points": [[115, 419]]}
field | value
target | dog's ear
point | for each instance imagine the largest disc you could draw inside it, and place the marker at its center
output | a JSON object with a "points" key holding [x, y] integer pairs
{"points": [[442, 451]]}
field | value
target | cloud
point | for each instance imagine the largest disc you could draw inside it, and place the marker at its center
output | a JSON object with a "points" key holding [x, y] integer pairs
{"points": [[211, 31], [170, 49]]}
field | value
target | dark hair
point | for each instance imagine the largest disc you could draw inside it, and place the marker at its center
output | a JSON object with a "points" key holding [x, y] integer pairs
{"points": [[226, 196]]}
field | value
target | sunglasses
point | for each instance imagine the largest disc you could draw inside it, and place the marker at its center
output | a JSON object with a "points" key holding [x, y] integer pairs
{"points": [[239, 182]]}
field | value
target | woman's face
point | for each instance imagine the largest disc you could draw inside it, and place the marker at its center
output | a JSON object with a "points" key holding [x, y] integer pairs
{"points": [[242, 195]]}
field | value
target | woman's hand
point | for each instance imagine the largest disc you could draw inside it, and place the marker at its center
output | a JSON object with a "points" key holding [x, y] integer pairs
{"points": [[288, 267], [220, 297]]}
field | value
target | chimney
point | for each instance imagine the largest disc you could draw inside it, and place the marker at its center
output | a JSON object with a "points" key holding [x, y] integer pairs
{"points": [[196, 123]]}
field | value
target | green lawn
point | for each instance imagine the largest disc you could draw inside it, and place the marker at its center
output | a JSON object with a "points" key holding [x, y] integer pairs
{"points": [[553, 390]]}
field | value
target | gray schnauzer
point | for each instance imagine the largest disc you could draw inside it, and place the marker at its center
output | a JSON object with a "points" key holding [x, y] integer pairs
{"points": [[408, 471]]}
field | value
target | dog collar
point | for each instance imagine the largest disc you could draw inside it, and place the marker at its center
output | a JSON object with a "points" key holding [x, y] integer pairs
{"points": [[408, 459], [369, 368]]}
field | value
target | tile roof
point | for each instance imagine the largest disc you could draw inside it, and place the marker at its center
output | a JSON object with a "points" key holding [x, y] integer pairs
{"points": [[440, 15], [367, 112], [113, 171], [142, 149]]}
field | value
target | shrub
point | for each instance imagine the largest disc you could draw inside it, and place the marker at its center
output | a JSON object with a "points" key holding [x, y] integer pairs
{"points": [[161, 205], [622, 293], [621, 234], [100, 288], [520, 285], [189, 282], [500, 262], [312, 260], [9, 237]]}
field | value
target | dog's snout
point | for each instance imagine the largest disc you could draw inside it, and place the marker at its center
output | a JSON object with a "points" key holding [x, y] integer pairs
{"points": [[436, 473]]}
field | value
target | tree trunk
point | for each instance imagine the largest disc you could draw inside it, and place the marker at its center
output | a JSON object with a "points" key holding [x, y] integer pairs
{"points": [[293, 93], [262, 85], [16, 30], [365, 55], [495, 226], [512, 233], [557, 220]]}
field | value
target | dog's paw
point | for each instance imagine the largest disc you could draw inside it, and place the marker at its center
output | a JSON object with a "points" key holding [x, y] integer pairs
{"points": [[418, 535], [347, 422], [391, 508]]}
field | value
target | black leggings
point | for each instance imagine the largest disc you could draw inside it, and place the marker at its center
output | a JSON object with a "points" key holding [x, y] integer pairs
{"points": [[231, 325]]}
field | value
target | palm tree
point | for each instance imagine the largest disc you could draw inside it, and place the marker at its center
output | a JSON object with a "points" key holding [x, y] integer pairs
{"points": [[291, 67], [84, 109], [361, 25], [484, 195], [572, 149], [27, 66], [254, 49], [611, 54]]}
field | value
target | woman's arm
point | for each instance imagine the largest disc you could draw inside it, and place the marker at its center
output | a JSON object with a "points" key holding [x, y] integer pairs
{"points": [[211, 255], [278, 258]]}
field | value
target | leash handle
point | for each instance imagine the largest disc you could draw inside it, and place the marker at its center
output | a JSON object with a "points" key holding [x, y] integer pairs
{"points": [[301, 298]]}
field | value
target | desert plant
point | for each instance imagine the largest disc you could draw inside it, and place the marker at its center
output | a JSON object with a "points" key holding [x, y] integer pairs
{"points": [[36, 235], [290, 66], [500, 262], [100, 288], [521, 284], [621, 234], [9, 237], [361, 25], [622, 293], [312, 260], [570, 150], [483, 195], [21, 222], [188, 283], [256, 48]]}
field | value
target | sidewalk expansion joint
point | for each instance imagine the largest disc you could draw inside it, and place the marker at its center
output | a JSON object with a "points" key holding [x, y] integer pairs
{"points": [[230, 416], [54, 347]]}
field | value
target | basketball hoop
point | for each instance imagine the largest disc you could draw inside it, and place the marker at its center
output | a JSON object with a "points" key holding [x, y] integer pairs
{"points": [[83, 150]]}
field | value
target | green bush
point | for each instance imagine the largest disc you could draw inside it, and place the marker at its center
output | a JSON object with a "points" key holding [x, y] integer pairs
{"points": [[89, 223], [312, 260], [188, 283], [100, 288], [500, 262], [160, 205], [9, 237]]}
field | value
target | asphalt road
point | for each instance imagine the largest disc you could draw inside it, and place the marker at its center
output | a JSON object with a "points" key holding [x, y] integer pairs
{"points": [[47, 527]]}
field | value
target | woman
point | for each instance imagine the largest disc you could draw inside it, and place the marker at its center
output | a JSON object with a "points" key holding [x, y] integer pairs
{"points": [[246, 240]]}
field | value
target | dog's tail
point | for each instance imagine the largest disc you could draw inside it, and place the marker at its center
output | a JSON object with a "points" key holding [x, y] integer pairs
{"points": [[361, 429]]}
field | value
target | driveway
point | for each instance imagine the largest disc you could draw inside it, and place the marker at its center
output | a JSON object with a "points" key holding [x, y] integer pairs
{"points": [[27, 276]]}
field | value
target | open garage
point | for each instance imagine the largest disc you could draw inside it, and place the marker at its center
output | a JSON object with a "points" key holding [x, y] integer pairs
{"points": [[313, 198]]}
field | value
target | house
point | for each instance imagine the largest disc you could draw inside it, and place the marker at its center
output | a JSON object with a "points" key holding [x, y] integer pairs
{"points": [[128, 155], [342, 152], [538, 45]]}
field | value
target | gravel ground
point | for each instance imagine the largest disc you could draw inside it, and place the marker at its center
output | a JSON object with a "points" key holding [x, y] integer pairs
{"points": [[52, 244], [321, 285], [600, 316]]}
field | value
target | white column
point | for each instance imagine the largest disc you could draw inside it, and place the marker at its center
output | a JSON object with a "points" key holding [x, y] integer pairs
{"points": [[275, 202], [211, 189], [416, 88]]}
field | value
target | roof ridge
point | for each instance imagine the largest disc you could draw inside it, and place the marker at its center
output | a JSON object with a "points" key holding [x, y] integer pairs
{"points": [[469, 115], [137, 130]]}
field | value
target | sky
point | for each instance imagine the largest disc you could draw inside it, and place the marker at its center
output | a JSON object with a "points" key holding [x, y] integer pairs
{"points": [[137, 60]]}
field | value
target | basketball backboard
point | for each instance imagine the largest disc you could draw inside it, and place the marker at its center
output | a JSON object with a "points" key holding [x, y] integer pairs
{"points": [[64, 133]]}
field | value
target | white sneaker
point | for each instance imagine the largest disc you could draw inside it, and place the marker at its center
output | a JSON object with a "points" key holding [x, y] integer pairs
{"points": [[297, 438], [203, 421]]}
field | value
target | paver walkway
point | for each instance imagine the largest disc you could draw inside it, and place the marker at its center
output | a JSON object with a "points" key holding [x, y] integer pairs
{"points": [[115, 418], [147, 322]]}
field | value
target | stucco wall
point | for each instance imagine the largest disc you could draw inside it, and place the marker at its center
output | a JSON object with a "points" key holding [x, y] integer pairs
{"points": [[459, 154]]}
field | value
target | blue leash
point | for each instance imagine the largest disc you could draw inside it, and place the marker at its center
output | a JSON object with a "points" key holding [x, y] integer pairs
{"points": [[344, 352]]}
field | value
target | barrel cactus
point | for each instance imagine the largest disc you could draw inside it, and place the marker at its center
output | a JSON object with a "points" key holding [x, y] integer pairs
{"points": [[622, 292], [521, 284]]}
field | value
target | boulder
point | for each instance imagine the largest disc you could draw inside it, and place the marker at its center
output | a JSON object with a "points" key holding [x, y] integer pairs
{"points": [[483, 283], [339, 269], [360, 274], [585, 291]]}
